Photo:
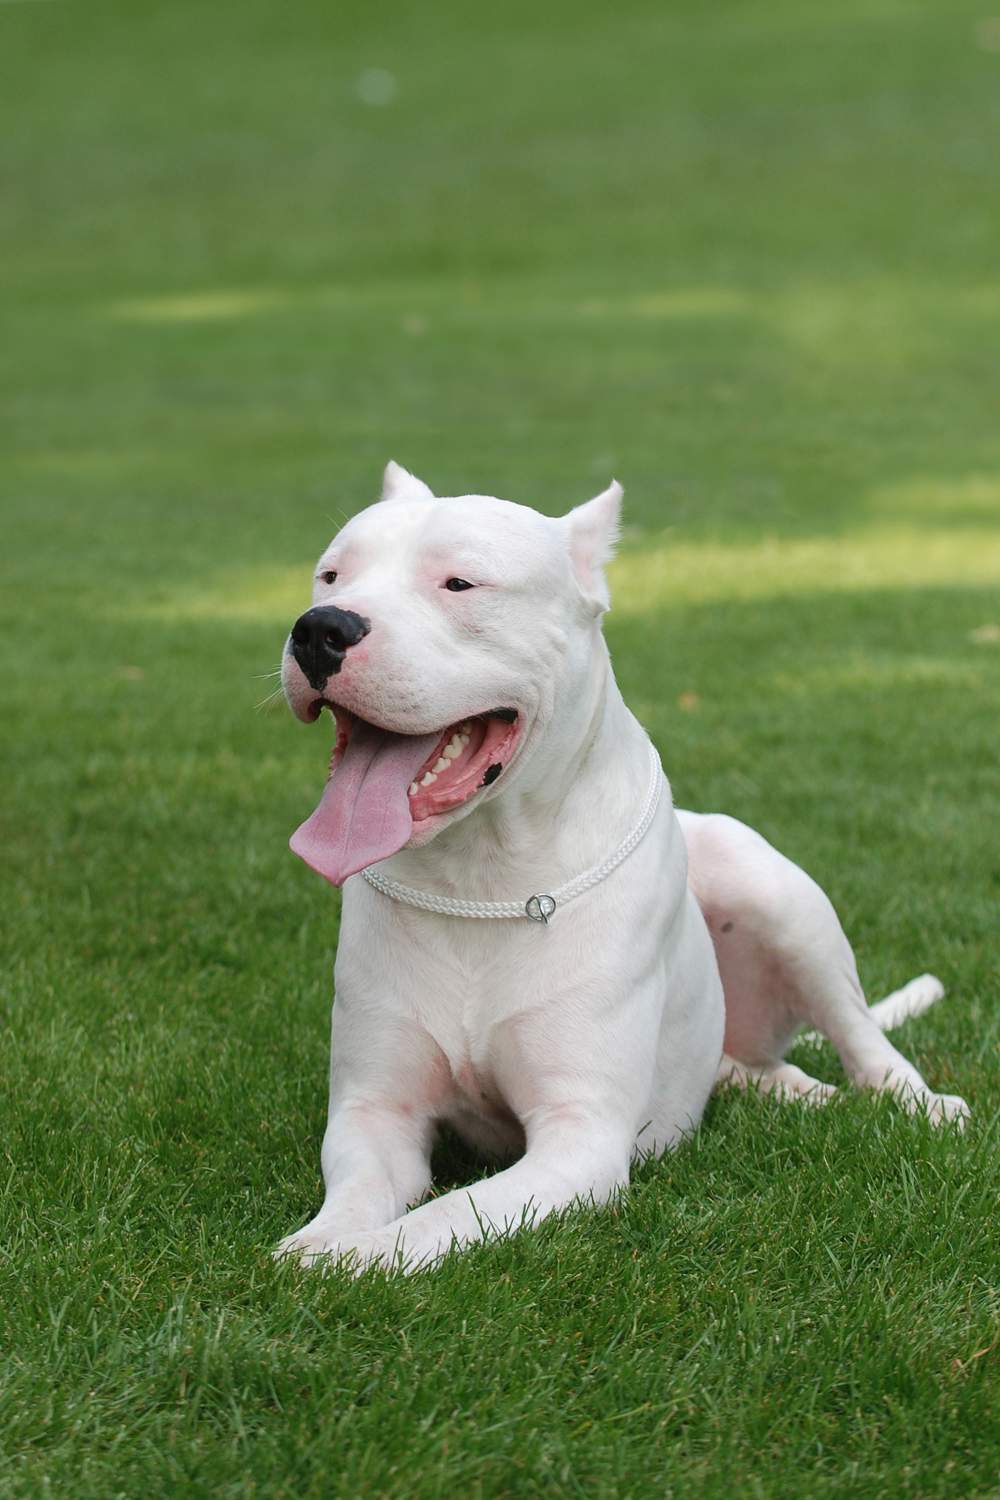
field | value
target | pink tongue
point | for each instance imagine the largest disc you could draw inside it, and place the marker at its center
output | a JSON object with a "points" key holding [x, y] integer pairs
{"points": [[364, 813]]}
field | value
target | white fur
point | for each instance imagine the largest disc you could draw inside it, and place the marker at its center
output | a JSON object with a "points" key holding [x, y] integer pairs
{"points": [[577, 1046]]}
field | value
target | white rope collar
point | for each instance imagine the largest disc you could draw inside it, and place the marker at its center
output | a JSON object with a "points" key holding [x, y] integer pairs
{"points": [[541, 906]]}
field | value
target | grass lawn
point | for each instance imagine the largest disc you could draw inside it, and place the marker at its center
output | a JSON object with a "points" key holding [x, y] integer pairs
{"points": [[745, 257]]}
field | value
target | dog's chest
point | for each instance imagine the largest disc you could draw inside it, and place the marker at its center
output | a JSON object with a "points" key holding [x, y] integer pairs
{"points": [[474, 1017], [471, 1034]]}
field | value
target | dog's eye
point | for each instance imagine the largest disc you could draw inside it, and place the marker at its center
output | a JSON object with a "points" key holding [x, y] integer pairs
{"points": [[329, 576], [456, 585]]}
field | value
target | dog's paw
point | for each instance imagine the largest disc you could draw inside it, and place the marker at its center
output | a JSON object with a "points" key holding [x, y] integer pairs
{"points": [[302, 1246], [943, 1109], [321, 1245], [315, 1242]]}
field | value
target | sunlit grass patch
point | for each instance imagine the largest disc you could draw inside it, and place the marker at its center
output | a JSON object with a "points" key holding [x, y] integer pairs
{"points": [[953, 499], [862, 671], [655, 573], [264, 593], [198, 307], [665, 573]]}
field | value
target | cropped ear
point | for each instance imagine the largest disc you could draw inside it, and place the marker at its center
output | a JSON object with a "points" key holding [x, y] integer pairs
{"points": [[398, 483], [594, 529]]}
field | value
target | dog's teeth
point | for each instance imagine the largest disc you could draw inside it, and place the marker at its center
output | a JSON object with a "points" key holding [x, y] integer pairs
{"points": [[426, 780], [413, 789], [464, 739], [439, 765], [452, 750]]}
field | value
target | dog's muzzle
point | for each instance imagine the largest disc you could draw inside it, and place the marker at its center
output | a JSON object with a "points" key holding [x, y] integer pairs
{"points": [[321, 638]]}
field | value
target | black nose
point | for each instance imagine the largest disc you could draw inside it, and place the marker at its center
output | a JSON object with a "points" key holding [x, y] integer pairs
{"points": [[320, 639]]}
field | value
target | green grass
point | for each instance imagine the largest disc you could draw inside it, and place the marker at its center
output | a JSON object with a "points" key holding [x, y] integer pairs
{"points": [[744, 256]]}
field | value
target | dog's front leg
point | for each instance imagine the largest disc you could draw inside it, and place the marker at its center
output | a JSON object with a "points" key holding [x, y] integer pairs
{"points": [[571, 1155], [385, 1076], [376, 1161]]}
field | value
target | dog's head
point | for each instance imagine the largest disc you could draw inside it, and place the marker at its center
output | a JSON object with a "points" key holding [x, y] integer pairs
{"points": [[453, 640]]}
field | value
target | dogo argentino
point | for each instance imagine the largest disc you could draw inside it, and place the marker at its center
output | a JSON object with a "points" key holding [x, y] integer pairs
{"points": [[535, 948]]}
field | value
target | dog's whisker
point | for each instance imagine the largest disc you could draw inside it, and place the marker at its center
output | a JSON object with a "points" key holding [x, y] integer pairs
{"points": [[266, 702]]}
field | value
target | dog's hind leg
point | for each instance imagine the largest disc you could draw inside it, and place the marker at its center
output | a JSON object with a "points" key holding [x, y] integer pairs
{"points": [[785, 963], [820, 969], [873, 1062], [902, 1005], [784, 1080], [821, 984]]}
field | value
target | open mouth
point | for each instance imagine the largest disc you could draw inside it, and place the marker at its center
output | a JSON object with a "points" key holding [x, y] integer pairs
{"points": [[382, 784], [469, 756]]}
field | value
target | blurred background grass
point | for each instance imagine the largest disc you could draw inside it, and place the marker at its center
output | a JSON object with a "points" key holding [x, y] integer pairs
{"points": [[744, 257]]}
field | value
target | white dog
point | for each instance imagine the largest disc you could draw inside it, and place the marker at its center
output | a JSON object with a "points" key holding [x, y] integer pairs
{"points": [[539, 950]]}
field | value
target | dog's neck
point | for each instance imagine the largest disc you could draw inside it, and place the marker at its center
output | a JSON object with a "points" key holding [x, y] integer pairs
{"points": [[568, 808]]}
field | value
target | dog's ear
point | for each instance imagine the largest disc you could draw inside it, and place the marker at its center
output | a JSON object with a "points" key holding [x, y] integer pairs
{"points": [[398, 483], [594, 529]]}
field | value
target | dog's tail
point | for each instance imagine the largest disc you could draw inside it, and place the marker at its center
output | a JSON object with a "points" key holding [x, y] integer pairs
{"points": [[912, 1000], [902, 1005]]}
